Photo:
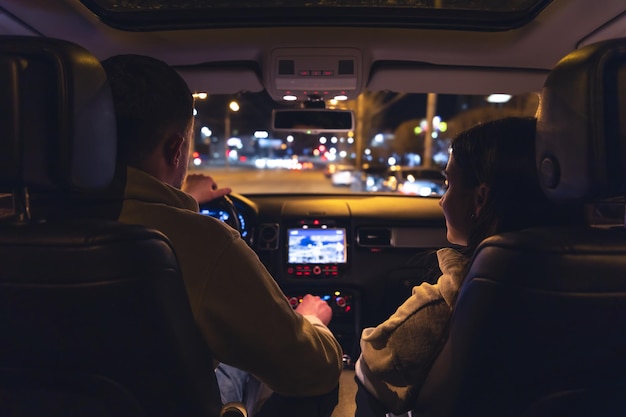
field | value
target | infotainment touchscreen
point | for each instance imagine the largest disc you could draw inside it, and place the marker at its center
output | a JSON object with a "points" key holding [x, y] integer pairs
{"points": [[317, 246]]}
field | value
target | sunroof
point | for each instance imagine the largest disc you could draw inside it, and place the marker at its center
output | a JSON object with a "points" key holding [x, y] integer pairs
{"points": [[486, 15]]}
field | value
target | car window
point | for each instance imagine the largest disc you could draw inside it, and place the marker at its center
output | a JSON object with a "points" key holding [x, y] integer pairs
{"points": [[177, 14], [235, 144]]}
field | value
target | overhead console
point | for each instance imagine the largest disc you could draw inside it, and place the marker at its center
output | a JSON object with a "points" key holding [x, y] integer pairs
{"points": [[323, 73]]}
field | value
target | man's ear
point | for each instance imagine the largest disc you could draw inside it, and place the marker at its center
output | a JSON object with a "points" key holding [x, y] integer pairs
{"points": [[480, 198], [173, 149]]}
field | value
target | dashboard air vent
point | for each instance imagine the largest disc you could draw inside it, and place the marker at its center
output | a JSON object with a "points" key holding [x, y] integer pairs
{"points": [[268, 236], [379, 237]]}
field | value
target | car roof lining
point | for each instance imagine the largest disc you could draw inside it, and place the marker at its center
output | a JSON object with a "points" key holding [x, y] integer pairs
{"points": [[223, 78], [419, 78], [504, 61]]}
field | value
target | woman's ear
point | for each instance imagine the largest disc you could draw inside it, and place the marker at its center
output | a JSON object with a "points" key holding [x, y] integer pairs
{"points": [[173, 150], [480, 198]]}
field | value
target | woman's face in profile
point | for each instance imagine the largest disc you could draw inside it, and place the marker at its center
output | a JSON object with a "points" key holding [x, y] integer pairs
{"points": [[457, 204]]}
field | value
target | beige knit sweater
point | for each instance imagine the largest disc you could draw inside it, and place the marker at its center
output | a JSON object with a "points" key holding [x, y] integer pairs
{"points": [[397, 354]]}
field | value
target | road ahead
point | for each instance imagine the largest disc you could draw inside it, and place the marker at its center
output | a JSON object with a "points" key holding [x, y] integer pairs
{"points": [[246, 180]]}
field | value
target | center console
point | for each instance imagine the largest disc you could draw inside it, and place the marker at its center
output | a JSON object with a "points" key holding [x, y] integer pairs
{"points": [[316, 249], [316, 260], [344, 305]]}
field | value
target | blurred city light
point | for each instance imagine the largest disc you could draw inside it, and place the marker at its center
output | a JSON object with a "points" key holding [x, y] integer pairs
{"points": [[233, 105], [499, 98], [206, 132]]}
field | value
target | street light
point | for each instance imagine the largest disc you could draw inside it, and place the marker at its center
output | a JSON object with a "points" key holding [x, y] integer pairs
{"points": [[233, 107]]}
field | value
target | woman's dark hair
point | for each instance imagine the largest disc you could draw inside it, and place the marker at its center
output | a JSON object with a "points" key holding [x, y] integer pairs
{"points": [[150, 98], [501, 155]]}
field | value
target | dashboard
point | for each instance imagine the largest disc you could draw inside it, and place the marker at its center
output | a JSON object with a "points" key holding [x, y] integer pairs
{"points": [[225, 216], [360, 253]]}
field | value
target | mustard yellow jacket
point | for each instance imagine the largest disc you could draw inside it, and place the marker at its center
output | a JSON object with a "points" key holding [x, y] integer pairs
{"points": [[242, 313]]}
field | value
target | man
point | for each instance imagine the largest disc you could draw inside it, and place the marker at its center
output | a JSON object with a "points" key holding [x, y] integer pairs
{"points": [[242, 313]]}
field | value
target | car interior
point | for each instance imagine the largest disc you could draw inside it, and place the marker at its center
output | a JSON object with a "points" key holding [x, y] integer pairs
{"points": [[536, 329]]}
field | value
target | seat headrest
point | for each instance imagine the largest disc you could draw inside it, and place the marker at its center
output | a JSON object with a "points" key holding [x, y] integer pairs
{"points": [[57, 124], [581, 137]]}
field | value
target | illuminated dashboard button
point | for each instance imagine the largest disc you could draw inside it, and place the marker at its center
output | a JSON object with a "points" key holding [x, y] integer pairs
{"points": [[293, 301], [341, 301], [317, 270]]}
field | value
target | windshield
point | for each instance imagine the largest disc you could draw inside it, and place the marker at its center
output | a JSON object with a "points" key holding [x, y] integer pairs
{"points": [[392, 149]]}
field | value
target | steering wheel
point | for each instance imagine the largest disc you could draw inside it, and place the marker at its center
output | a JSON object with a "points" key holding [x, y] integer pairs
{"points": [[225, 204]]}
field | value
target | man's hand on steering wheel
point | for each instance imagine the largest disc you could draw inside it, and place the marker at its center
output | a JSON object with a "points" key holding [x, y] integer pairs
{"points": [[203, 188]]}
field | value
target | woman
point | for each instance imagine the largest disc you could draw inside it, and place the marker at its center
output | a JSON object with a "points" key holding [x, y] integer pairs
{"points": [[492, 188]]}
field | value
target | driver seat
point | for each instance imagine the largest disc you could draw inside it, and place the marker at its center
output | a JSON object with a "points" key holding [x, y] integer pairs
{"points": [[94, 315]]}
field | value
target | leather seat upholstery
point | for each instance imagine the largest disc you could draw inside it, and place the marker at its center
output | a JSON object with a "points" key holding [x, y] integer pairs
{"points": [[94, 315], [538, 328]]}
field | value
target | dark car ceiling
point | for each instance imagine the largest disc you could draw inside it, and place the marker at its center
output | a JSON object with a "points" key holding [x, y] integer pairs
{"points": [[494, 61]]}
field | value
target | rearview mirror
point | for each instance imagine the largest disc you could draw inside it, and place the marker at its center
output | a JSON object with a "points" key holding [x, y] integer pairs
{"points": [[312, 121]]}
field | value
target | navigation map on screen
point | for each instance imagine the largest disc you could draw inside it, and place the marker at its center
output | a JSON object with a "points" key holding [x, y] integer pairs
{"points": [[316, 246]]}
